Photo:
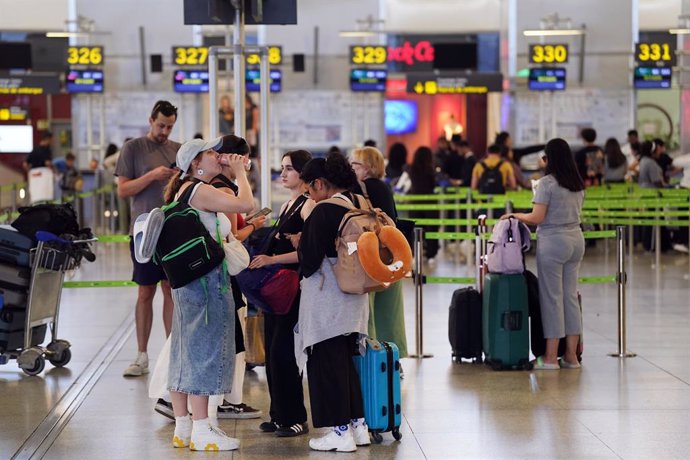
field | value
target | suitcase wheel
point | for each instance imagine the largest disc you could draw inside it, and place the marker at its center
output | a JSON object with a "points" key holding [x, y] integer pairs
{"points": [[397, 434], [496, 365], [62, 359], [377, 437], [37, 368]]}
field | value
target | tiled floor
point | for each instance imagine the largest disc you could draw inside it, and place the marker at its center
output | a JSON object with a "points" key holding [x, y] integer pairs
{"points": [[611, 408]]}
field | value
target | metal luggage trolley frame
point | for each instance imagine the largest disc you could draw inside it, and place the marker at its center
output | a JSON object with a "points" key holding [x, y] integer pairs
{"points": [[48, 267]]}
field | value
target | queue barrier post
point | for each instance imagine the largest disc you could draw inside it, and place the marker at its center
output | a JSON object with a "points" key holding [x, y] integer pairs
{"points": [[621, 281], [418, 285]]}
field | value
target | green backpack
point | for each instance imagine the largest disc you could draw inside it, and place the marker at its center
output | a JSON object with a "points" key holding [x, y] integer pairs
{"points": [[185, 248]]}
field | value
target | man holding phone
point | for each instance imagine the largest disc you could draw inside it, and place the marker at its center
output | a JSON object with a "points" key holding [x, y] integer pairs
{"points": [[144, 168]]}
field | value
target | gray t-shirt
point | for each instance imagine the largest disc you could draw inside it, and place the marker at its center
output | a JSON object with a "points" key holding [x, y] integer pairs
{"points": [[563, 206], [650, 173], [138, 157]]}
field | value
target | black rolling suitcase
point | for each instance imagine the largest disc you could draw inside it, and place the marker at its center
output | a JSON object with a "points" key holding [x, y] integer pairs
{"points": [[465, 314], [14, 247], [12, 329], [465, 324], [537, 341]]}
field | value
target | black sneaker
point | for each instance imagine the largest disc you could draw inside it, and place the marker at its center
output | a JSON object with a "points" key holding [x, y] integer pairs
{"points": [[292, 430], [164, 408], [268, 427], [237, 411]]}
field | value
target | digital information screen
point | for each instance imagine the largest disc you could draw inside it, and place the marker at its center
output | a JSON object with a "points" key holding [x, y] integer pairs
{"points": [[253, 80], [653, 77], [546, 79], [84, 81], [16, 138], [190, 81], [400, 116], [373, 80]]}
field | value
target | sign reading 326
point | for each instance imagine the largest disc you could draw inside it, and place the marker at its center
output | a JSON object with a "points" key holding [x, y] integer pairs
{"points": [[85, 55]]}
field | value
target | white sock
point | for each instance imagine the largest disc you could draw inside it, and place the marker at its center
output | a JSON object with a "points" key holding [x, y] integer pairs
{"points": [[183, 421]]}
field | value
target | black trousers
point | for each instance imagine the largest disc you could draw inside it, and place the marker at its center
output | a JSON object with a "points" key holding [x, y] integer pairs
{"points": [[284, 379], [334, 389]]}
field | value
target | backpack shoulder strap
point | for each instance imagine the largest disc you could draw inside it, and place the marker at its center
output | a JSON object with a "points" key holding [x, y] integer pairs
{"points": [[340, 200], [188, 193]]}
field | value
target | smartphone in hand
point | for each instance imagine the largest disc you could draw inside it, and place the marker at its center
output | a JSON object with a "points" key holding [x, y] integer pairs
{"points": [[263, 212]]}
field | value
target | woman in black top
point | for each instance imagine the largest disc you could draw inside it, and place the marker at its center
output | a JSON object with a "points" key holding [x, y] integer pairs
{"points": [[231, 406], [331, 322], [423, 178], [386, 308], [288, 415]]}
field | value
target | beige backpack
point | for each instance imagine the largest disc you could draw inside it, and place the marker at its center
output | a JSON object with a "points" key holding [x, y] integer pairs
{"points": [[349, 273]]}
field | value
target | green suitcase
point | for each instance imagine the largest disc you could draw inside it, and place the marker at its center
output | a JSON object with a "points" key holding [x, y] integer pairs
{"points": [[506, 322]]}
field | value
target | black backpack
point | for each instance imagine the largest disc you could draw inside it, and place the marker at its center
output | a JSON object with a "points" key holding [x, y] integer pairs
{"points": [[491, 180], [59, 219], [185, 249]]}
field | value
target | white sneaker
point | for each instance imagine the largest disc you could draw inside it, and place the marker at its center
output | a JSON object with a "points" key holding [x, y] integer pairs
{"points": [[206, 437], [339, 439], [680, 248], [183, 431], [361, 434], [139, 367]]}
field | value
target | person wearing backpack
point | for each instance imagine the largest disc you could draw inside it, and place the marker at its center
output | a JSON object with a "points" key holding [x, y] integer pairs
{"points": [[386, 308], [493, 175], [558, 199], [331, 323], [202, 347]]}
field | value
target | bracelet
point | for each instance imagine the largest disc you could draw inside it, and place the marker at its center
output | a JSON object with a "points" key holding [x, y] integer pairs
{"points": [[253, 226]]}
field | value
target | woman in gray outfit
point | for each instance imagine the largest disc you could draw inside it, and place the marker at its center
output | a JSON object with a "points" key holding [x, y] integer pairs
{"points": [[557, 205]]}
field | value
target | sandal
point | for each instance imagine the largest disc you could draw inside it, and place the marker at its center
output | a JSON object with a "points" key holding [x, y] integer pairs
{"points": [[540, 365], [566, 365]]}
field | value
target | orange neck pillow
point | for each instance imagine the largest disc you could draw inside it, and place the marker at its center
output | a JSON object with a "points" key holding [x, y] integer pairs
{"points": [[369, 256]]}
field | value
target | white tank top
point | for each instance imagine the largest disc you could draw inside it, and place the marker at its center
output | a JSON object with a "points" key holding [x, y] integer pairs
{"points": [[209, 218]]}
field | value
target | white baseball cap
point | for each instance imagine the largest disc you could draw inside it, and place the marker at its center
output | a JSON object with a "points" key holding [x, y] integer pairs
{"points": [[190, 149]]}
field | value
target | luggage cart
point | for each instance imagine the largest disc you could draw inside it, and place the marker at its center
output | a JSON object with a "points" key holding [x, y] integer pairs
{"points": [[51, 258]]}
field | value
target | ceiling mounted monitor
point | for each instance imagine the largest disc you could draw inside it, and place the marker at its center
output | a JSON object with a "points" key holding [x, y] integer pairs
{"points": [[210, 12]]}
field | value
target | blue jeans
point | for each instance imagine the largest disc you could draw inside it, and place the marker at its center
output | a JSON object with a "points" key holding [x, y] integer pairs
{"points": [[202, 341]]}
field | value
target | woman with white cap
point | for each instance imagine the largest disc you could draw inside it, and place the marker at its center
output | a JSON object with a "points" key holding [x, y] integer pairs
{"points": [[202, 349]]}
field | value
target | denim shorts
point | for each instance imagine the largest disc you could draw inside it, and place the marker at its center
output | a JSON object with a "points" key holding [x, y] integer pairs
{"points": [[202, 341]]}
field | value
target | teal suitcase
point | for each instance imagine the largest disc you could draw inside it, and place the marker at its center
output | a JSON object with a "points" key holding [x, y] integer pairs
{"points": [[505, 322], [379, 375]]}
